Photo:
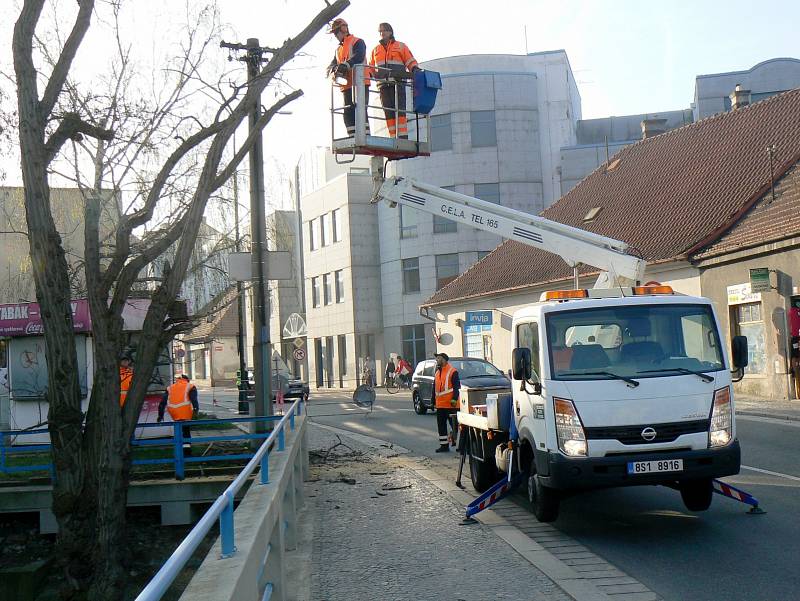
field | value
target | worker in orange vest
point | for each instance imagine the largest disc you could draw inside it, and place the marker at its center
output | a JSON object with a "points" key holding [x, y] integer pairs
{"points": [[351, 51], [125, 378], [446, 387], [180, 399], [391, 59]]}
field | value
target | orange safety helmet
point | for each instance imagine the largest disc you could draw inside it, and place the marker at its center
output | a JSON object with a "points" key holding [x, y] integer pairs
{"points": [[337, 24]]}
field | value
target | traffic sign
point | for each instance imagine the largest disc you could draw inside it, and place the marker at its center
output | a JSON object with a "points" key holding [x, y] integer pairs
{"points": [[299, 354], [299, 342]]}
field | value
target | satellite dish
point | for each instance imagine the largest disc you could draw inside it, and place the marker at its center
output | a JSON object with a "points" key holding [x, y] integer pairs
{"points": [[295, 326]]}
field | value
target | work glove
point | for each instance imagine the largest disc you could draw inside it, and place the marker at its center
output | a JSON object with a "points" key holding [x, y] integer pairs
{"points": [[415, 68], [342, 69]]}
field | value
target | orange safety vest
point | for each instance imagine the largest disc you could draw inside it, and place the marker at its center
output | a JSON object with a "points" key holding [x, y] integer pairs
{"points": [[443, 387], [395, 56], [178, 403], [343, 54], [125, 378]]}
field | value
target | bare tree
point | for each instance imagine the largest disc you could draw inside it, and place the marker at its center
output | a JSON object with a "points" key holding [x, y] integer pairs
{"points": [[158, 146]]}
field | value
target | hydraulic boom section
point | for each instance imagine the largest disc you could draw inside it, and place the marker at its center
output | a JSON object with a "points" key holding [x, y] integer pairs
{"points": [[574, 245]]}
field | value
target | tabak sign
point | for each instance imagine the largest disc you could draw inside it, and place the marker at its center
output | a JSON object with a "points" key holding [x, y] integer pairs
{"points": [[24, 319]]}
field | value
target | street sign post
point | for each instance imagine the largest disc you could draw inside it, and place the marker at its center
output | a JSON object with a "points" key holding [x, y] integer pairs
{"points": [[759, 280]]}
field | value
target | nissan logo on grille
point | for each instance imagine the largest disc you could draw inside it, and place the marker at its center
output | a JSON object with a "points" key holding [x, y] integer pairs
{"points": [[649, 434]]}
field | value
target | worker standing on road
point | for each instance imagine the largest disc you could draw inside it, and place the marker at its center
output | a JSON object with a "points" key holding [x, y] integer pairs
{"points": [[445, 397], [125, 378], [392, 59], [351, 51], [180, 400]]}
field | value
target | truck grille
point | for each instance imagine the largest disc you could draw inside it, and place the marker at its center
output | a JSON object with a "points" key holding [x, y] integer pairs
{"points": [[633, 434]]}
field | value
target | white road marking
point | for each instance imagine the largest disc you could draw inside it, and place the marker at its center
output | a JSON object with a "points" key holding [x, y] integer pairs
{"points": [[771, 473]]}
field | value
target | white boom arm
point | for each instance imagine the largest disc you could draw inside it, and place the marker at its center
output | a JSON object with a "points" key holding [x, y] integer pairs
{"points": [[572, 244]]}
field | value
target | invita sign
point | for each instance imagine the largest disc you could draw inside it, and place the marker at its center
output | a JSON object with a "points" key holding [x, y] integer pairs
{"points": [[478, 318]]}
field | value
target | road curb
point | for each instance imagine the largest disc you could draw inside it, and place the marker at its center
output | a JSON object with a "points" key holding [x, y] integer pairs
{"points": [[577, 581], [780, 417]]}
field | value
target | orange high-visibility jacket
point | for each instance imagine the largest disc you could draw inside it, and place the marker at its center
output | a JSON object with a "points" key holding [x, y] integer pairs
{"points": [[395, 56], [125, 378], [178, 403], [443, 387], [345, 54]]}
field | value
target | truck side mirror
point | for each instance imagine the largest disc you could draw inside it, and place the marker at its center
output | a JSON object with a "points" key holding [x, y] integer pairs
{"points": [[521, 361], [739, 356]]}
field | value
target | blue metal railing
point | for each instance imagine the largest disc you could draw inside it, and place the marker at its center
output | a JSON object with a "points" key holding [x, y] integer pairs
{"points": [[176, 441], [222, 510]]}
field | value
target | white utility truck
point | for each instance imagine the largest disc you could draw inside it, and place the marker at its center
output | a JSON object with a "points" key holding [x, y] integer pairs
{"points": [[622, 384]]}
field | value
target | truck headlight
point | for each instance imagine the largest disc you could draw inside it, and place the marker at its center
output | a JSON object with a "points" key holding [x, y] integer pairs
{"points": [[721, 428], [571, 438]]}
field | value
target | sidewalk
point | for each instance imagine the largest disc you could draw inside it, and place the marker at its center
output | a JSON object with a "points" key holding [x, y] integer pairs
{"points": [[786, 410], [381, 531]]}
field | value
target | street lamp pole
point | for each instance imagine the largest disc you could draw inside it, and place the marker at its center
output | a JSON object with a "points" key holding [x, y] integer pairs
{"points": [[258, 233]]}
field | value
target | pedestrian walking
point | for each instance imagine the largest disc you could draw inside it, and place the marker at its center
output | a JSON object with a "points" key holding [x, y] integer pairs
{"points": [[446, 389], [180, 399], [352, 51], [394, 60], [389, 373]]}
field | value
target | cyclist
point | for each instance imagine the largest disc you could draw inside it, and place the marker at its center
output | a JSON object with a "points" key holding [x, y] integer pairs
{"points": [[404, 371]]}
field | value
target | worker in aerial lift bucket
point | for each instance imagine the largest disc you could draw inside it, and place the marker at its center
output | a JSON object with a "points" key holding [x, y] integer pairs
{"points": [[394, 59], [351, 51], [446, 388]]}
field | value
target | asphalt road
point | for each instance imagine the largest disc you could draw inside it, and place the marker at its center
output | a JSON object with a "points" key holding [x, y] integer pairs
{"points": [[722, 553]]}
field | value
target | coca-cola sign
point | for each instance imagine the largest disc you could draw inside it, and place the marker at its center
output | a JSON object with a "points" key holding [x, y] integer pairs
{"points": [[25, 319]]}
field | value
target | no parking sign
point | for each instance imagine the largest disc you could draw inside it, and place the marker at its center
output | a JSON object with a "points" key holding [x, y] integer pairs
{"points": [[299, 354]]}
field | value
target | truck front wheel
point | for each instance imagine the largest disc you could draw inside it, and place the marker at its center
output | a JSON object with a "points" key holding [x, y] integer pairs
{"points": [[697, 494], [544, 501]]}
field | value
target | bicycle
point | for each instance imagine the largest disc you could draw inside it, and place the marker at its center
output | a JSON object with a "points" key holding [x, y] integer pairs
{"points": [[393, 383]]}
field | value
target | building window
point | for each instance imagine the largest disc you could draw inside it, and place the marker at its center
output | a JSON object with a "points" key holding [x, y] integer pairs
{"points": [[414, 343], [442, 225], [327, 286], [410, 275], [441, 133], [750, 322], [313, 234], [488, 192], [340, 286], [315, 292], [336, 223], [324, 239], [446, 269], [482, 126], [408, 222]]}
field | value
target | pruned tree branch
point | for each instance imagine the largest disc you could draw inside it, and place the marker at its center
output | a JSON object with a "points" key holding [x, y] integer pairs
{"points": [[71, 127]]}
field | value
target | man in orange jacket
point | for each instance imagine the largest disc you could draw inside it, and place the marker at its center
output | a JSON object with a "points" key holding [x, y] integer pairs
{"points": [[125, 378], [446, 388], [391, 59], [351, 51], [180, 399]]}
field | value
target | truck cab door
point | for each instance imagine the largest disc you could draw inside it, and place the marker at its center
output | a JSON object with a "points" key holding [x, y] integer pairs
{"points": [[529, 400]]}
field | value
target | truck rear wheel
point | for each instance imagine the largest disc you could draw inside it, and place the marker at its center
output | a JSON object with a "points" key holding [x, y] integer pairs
{"points": [[483, 473], [544, 501], [697, 494]]}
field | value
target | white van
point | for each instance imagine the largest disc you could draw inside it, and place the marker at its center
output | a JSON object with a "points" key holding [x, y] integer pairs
{"points": [[623, 391]]}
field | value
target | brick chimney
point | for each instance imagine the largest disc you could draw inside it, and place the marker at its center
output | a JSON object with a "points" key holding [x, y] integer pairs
{"points": [[653, 127], [739, 97]]}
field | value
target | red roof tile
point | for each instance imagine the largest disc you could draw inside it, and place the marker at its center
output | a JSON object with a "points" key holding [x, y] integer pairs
{"points": [[666, 196]]}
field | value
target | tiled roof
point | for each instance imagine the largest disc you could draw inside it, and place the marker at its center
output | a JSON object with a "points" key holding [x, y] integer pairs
{"points": [[222, 320], [665, 196]]}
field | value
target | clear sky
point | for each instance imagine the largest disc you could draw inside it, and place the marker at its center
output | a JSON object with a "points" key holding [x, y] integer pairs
{"points": [[628, 56]]}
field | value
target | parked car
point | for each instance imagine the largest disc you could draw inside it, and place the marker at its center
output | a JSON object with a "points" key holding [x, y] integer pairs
{"points": [[477, 377], [293, 388]]}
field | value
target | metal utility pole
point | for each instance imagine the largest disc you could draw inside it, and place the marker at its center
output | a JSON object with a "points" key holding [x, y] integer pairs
{"points": [[244, 379], [258, 234]]}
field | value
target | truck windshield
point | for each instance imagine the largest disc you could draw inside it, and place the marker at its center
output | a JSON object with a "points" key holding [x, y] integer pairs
{"points": [[641, 341]]}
